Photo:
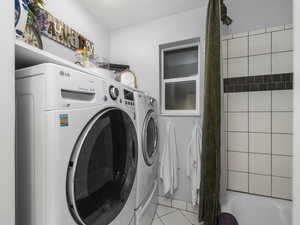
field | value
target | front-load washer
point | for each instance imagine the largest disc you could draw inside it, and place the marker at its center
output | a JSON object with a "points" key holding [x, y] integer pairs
{"points": [[147, 178], [77, 149]]}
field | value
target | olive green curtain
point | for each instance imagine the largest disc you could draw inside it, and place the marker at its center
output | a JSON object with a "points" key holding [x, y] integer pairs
{"points": [[209, 207]]}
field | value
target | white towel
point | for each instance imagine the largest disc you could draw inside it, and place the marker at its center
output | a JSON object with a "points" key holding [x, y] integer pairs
{"points": [[194, 162], [169, 162]]}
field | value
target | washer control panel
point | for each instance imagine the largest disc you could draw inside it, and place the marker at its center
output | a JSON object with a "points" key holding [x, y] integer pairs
{"points": [[128, 97]]}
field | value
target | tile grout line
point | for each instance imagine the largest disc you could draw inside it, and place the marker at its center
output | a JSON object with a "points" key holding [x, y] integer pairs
{"points": [[260, 54], [168, 213], [259, 153], [248, 117], [161, 220], [244, 172], [266, 196], [271, 172], [257, 132], [227, 139], [171, 207]]}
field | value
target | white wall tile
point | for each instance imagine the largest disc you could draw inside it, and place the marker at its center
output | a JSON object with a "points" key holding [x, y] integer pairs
{"points": [[225, 68], [238, 47], [260, 101], [282, 100], [224, 49], [238, 161], [238, 102], [282, 187], [225, 141], [227, 37], [238, 35], [282, 62], [282, 41], [238, 181], [238, 141], [288, 26], [282, 122], [259, 184], [260, 65], [259, 31], [260, 164], [260, 143], [259, 122], [282, 144], [226, 122], [260, 44], [282, 166], [277, 28], [238, 122], [238, 67], [225, 102]]}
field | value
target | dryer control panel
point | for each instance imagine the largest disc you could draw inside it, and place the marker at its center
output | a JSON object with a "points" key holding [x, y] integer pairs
{"points": [[128, 97]]}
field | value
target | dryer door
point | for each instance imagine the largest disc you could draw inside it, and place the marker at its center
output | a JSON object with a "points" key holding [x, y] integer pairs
{"points": [[102, 168], [150, 138]]}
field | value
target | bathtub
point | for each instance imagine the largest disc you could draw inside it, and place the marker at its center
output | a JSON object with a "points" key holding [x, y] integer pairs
{"points": [[256, 210]]}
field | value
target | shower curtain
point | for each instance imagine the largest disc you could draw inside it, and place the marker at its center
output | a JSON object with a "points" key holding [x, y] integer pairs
{"points": [[209, 206]]}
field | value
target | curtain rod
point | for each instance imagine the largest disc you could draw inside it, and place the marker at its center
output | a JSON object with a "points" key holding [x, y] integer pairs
{"points": [[224, 16]]}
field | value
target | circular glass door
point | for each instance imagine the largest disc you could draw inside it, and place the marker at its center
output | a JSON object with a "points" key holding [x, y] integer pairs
{"points": [[150, 138], [102, 168]]}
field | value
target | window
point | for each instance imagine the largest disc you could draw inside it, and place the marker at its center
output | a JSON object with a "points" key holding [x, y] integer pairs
{"points": [[180, 78]]}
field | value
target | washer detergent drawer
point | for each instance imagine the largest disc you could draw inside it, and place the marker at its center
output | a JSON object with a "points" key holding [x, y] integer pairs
{"points": [[145, 214]]}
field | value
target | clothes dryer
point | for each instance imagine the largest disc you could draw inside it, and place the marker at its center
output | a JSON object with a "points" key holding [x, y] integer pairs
{"points": [[147, 178]]}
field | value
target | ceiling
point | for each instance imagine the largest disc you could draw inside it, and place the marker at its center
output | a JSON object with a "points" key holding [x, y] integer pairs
{"points": [[115, 14]]}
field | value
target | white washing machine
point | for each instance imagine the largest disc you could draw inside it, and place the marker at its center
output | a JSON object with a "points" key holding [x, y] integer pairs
{"points": [[77, 149], [147, 178]]}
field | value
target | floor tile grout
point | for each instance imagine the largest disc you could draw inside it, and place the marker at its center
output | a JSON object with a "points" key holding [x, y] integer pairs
{"points": [[176, 210], [186, 218]]}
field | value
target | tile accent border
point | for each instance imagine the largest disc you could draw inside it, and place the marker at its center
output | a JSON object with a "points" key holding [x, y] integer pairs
{"points": [[259, 83]]}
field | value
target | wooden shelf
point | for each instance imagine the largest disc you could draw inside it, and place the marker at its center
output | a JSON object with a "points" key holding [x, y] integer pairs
{"points": [[27, 56]]}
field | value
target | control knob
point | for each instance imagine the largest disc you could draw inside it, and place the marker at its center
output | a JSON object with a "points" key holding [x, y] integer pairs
{"points": [[151, 101], [114, 92]]}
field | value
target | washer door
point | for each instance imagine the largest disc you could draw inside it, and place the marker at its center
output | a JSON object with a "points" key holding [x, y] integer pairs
{"points": [[150, 138], [102, 168]]}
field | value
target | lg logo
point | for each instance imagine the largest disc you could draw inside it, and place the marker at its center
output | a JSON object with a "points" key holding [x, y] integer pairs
{"points": [[64, 74]]}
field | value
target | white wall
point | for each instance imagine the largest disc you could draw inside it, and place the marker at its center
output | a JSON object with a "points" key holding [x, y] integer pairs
{"points": [[255, 14], [138, 46], [7, 106], [75, 15], [296, 187]]}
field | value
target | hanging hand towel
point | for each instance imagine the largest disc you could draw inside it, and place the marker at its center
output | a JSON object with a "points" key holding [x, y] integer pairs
{"points": [[193, 163], [169, 162]]}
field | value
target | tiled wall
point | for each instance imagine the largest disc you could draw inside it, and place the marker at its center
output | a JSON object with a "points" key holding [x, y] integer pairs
{"points": [[259, 120]]}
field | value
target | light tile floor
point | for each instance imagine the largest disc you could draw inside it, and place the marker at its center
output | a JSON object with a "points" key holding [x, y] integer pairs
{"points": [[171, 216]]}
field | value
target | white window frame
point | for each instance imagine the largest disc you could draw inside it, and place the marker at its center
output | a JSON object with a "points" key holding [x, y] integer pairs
{"points": [[196, 77]]}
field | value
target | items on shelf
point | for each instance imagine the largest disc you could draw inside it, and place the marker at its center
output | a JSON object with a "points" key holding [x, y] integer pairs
{"points": [[127, 77], [26, 22], [90, 61], [32, 21], [118, 67]]}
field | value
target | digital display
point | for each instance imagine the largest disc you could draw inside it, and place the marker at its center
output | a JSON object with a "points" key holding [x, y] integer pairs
{"points": [[128, 95]]}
